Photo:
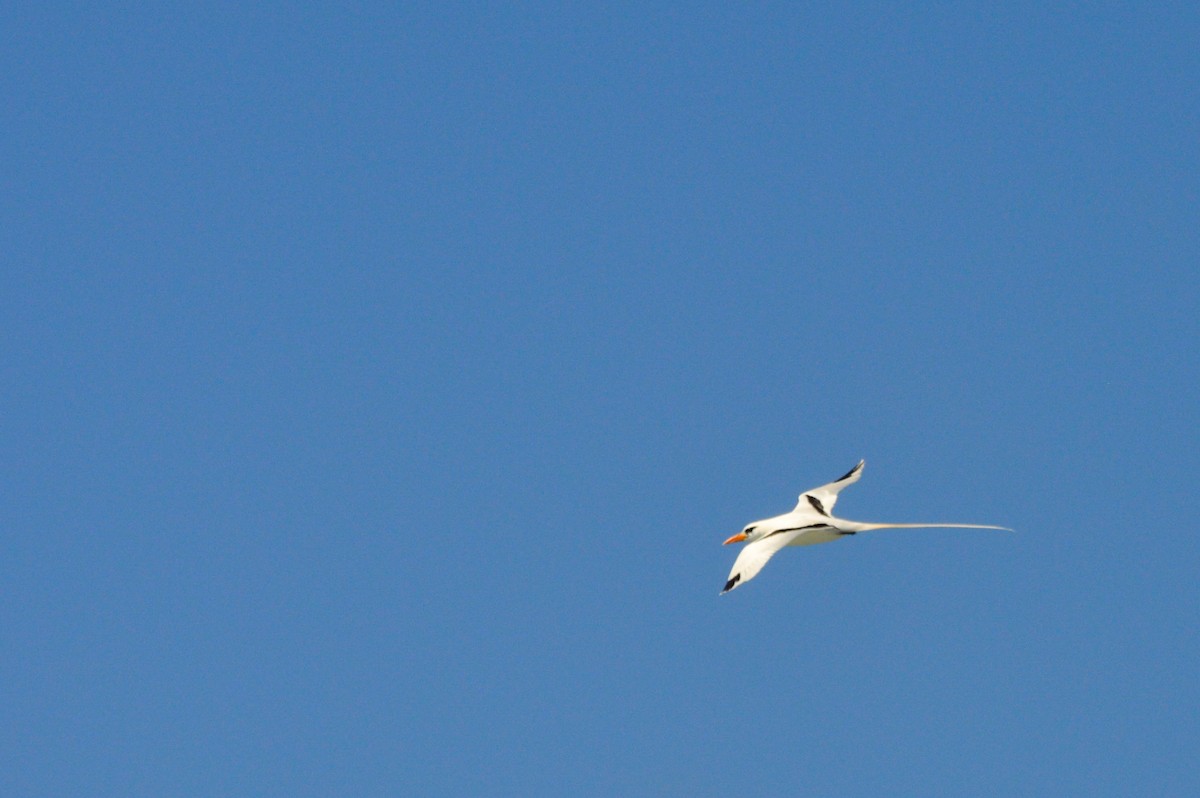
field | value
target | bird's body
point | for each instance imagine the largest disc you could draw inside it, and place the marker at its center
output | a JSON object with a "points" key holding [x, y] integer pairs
{"points": [[809, 523]]}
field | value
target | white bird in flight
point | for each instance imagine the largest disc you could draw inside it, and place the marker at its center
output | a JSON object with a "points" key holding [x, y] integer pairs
{"points": [[806, 525]]}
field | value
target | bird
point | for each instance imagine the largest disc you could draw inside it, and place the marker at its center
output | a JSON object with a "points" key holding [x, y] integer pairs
{"points": [[810, 523]]}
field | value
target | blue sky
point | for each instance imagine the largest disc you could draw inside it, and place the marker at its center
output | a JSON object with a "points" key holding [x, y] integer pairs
{"points": [[380, 384]]}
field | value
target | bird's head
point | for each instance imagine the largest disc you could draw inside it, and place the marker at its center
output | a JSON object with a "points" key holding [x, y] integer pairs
{"points": [[751, 533]]}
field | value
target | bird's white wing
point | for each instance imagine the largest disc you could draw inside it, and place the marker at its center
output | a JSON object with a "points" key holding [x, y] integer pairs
{"points": [[754, 556], [823, 498]]}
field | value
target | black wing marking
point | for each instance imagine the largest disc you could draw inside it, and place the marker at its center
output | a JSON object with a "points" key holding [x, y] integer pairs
{"points": [[798, 528], [851, 472]]}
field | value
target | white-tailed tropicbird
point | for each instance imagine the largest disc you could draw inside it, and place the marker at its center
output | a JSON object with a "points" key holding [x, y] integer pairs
{"points": [[806, 525]]}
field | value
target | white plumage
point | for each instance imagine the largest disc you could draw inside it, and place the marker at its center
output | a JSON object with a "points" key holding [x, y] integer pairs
{"points": [[810, 523]]}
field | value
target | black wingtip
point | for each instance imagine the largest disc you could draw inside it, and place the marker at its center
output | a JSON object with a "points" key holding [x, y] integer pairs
{"points": [[851, 472], [729, 585]]}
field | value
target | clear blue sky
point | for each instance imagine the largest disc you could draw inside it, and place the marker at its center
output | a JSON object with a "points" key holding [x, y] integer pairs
{"points": [[380, 384]]}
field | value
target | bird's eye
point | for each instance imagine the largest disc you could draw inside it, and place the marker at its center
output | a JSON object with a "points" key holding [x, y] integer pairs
{"points": [[750, 529]]}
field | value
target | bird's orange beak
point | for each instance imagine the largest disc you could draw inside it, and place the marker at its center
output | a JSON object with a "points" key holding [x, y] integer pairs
{"points": [[738, 538]]}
